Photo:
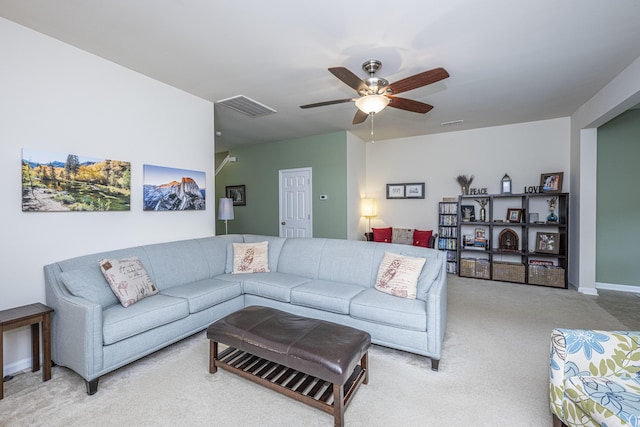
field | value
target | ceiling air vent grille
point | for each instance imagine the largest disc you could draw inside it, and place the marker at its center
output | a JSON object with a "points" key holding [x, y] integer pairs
{"points": [[246, 105]]}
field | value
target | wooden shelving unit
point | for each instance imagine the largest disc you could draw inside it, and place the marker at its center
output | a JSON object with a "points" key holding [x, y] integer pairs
{"points": [[517, 247]]}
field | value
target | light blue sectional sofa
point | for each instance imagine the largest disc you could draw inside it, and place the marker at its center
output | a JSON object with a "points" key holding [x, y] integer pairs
{"points": [[328, 279]]}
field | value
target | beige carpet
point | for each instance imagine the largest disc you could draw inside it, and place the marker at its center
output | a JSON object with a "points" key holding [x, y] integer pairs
{"points": [[494, 372]]}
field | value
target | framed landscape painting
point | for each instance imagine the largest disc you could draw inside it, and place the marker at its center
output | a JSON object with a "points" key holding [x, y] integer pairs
{"points": [[172, 189], [58, 182]]}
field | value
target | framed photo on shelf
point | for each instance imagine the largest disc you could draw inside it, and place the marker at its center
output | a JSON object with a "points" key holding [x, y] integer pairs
{"points": [[547, 243], [514, 215], [551, 182], [468, 213], [237, 193], [395, 191]]}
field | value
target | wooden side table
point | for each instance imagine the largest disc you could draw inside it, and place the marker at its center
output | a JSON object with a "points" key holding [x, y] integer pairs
{"points": [[32, 314]]}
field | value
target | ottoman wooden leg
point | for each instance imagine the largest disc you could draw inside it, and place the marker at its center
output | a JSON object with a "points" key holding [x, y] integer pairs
{"points": [[213, 355], [338, 405], [364, 362]]}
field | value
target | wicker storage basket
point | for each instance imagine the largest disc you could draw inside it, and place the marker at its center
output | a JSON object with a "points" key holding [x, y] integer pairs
{"points": [[467, 267], [546, 275], [482, 269], [508, 272]]}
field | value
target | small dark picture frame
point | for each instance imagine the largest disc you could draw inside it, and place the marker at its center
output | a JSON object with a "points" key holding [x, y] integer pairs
{"points": [[237, 193], [547, 243], [468, 213], [551, 182], [514, 215]]}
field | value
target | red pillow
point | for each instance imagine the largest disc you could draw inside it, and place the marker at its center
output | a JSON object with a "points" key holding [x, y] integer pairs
{"points": [[422, 237], [382, 234]]}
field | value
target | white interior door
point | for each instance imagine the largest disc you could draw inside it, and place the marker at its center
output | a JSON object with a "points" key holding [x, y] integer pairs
{"points": [[295, 203]]}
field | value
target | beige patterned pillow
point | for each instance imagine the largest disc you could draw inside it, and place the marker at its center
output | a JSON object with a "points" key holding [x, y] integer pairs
{"points": [[398, 275], [250, 258], [128, 279]]}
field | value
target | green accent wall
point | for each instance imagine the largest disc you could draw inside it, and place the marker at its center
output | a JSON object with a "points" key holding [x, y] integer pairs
{"points": [[257, 168], [618, 203]]}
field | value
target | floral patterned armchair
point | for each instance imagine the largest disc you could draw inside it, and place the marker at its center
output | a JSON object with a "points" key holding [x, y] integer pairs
{"points": [[595, 378]]}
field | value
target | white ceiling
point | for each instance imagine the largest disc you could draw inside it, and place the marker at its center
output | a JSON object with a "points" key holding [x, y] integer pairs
{"points": [[509, 61]]}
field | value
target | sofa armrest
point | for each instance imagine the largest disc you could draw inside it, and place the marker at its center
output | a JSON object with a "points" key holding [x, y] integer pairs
{"points": [[76, 327], [437, 311], [579, 352]]}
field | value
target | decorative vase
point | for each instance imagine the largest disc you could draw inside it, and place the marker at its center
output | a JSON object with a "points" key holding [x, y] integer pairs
{"points": [[483, 214], [465, 190], [552, 217]]}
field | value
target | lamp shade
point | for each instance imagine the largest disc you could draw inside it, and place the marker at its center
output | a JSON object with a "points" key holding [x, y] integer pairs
{"points": [[225, 208], [368, 207], [372, 103]]}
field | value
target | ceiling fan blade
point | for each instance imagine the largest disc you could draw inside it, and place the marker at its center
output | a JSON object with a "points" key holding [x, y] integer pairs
{"points": [[418, 80], [349, 78], [360, 117], [322, 104], [409, 105]]}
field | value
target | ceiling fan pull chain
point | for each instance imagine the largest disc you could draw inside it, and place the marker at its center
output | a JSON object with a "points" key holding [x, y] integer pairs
{"points": [[372, 114]]}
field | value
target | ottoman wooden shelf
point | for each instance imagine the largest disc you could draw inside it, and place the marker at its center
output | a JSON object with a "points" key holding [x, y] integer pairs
{"points": [[319, 363], [32, 314]]}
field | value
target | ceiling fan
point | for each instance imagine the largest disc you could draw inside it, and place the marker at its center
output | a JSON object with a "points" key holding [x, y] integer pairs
{"points": [[375, 93]]}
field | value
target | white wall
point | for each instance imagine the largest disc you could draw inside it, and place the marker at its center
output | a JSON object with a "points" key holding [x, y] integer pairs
{"points": [[524, 151], [59, 99], [356, 186], [617, 96]]}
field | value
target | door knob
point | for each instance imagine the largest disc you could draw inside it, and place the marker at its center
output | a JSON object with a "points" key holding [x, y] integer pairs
{"points": [[283, 223]]}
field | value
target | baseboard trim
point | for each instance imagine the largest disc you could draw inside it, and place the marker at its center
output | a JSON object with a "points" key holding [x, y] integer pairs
{"points": [[18, 366], [619, 288]]}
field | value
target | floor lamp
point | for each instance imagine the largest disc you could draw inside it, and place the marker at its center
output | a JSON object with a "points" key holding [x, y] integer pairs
{"points": [[225, 211], [368, 209]]}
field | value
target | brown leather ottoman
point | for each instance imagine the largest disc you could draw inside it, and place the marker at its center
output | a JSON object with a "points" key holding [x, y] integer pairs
{"points": [[313, 361]]}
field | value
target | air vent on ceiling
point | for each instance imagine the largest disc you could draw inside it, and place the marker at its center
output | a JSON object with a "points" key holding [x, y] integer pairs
{"points": [[246, 105]]}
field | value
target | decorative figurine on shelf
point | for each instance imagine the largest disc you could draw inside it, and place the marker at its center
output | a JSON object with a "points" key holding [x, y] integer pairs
{"points": [[483, 211], [465, 183], [552, 207]]}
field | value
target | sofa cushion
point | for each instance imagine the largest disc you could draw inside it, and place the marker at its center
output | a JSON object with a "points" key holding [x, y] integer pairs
{"points": [[250, 257], [176, 263], [128, 279], [89, 283], [348, 261], [382, 234], [276, 286], [205, 293], [378, 307], [398, 275], [215, 251], [610, 400], [302, 257], [119, 323], [422, 237], [325, 295], [403, 236]]}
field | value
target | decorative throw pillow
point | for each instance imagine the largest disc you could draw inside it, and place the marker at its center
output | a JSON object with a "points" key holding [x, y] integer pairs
{"points": [[250, 257], [403, 236], [128, 279], [398, 275], [422, 237], [382, 234]]}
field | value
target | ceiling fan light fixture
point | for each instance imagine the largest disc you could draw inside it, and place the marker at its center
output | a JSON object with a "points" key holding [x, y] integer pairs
{"points": [[372, 104]]}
